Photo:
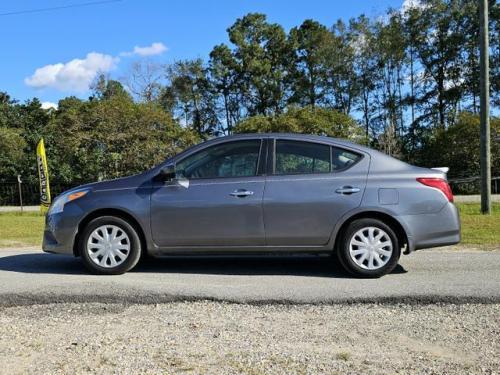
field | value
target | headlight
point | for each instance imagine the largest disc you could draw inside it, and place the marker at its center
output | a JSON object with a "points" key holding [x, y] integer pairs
{"points": [[60, 201]]}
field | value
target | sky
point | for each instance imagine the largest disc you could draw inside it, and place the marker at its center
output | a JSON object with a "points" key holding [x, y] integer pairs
{"points": [[55, 53]]}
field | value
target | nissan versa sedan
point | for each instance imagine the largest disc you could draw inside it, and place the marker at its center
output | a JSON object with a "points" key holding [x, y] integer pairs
{"points": [[259, 194]]}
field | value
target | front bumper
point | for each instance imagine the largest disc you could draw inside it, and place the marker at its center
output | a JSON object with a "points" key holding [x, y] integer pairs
{"points": [[60, 231], [433, 230]]}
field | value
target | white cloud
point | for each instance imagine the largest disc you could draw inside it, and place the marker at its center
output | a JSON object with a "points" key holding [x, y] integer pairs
{"points": [[48, 105], [75, 75], [156, 48], [411, 4]]}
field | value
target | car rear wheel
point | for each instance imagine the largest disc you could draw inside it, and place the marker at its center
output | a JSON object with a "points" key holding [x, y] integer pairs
{"points": [[369, 248], [109, 245]]}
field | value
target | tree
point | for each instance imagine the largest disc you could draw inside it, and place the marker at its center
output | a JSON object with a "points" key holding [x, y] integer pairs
{"points": [[305, 120], [144, 80], [494, 7], [91, 140], [410, 29], [104, 88], [457, 147], [8, 111], [309, 43], [224, 78], [262, 55], [31, 121], [440, 42], [341, 76], [194, 95], [11, 152], [366, 70], [401, 76], [390, 57]]}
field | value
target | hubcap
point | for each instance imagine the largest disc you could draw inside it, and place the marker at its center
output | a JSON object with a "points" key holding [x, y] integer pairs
{"points": [[108, 246], [370, 248]]}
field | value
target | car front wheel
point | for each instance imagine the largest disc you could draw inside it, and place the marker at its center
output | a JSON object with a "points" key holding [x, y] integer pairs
{"points": [[109, 245], [369, 248]]}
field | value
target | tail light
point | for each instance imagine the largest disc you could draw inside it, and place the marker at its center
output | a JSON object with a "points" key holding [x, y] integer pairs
{"points": [[437, 183]]}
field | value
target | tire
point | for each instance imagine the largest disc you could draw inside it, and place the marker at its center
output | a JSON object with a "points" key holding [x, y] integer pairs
{"points": [[368, 248], [113, 253]]}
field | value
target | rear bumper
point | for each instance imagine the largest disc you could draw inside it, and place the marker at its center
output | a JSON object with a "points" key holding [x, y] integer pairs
{"points": [[433, 230]]}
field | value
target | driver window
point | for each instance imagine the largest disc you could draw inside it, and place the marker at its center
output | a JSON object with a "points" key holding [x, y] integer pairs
{"points": [[232, 159]]}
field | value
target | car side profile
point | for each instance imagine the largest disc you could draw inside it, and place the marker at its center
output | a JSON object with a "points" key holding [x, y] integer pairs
{"points": [[259, 194]]}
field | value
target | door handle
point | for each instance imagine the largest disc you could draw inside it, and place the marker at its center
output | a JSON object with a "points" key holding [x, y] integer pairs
{"points": [[347, 190], [241, 193]]}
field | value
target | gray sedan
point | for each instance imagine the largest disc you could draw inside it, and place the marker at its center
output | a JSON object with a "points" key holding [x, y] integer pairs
{"points": [[259, 194]]}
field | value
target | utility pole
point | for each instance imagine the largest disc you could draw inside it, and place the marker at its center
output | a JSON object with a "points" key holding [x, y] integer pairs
{"points": [[485, 109]]}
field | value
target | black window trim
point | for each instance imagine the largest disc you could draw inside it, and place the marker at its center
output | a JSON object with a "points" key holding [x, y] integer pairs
{"points": [[263, 155], [257, 170], [271, 156], [361, 157], [272, 162]]}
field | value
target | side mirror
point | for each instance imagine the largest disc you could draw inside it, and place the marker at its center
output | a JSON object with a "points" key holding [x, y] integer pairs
{"points": [[170, 174], [167, 173]]}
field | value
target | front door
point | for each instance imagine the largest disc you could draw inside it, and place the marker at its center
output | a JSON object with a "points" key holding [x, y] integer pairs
{"points": [[222, 206], [312, 185]]}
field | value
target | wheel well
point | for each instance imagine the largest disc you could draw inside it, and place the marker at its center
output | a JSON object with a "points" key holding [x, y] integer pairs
{"points": [[109, 212], [387, 219]]}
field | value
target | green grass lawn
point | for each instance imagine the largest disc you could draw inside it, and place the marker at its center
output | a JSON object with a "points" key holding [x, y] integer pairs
{"points": [[25, 229], [479, 229], [21, 229]]}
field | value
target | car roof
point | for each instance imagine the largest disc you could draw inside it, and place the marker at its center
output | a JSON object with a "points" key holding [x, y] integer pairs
{"points": [[294, 136], [386, 162]]}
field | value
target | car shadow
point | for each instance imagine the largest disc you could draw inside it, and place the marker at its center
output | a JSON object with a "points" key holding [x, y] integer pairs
{"points": [[42, 263], [312, 266]]}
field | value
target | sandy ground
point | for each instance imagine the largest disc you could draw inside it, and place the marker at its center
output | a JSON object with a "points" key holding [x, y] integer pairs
{"points": [[225, 338]]}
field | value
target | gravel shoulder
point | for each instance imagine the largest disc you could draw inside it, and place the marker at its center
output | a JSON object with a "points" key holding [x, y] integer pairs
{"points": [[224, 338]]}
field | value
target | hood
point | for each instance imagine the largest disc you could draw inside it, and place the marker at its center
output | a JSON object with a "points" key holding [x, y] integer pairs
{"points": [[128, 182]]}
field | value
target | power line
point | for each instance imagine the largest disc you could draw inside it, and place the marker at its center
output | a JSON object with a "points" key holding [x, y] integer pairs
{"points": [[58, 7]]}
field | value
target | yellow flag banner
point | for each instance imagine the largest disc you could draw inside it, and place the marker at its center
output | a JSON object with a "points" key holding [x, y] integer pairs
{"points": [[43, 173]]}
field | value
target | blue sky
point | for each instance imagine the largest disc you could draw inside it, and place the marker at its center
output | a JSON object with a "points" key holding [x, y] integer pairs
{"points": [[69, 45]]}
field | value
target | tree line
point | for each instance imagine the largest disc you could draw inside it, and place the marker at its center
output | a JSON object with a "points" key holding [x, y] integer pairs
{"points": [[406, 83]]}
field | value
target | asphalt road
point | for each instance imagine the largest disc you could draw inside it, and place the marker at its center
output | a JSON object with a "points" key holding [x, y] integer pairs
{"points": [[429, 276]]}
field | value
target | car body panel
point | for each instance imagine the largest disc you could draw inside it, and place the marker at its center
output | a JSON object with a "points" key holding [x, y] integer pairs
{"points": [[205, 214], [303, 209], [289, 213]]}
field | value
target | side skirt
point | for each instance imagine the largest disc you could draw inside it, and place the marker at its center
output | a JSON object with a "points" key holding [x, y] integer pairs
{"points": [[234, 251]]}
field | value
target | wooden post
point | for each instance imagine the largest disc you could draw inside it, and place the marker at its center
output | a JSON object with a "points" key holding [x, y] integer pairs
{"points": [[19, 182], [485, 155]]}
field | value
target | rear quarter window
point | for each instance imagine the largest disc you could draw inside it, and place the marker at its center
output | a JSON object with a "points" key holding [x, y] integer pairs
{"points": [[343, 159]]}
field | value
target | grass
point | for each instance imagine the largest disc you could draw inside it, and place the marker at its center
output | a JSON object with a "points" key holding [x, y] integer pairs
{"points": [[18, 230], [479, 229], [21, 229]]}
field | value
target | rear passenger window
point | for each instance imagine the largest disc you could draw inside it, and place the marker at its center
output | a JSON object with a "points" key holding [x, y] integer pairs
{"points": [[342, 159], [295, 157]]}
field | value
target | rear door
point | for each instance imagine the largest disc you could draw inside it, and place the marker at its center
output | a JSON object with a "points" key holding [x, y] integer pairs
{"points": [[310, 186]]}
